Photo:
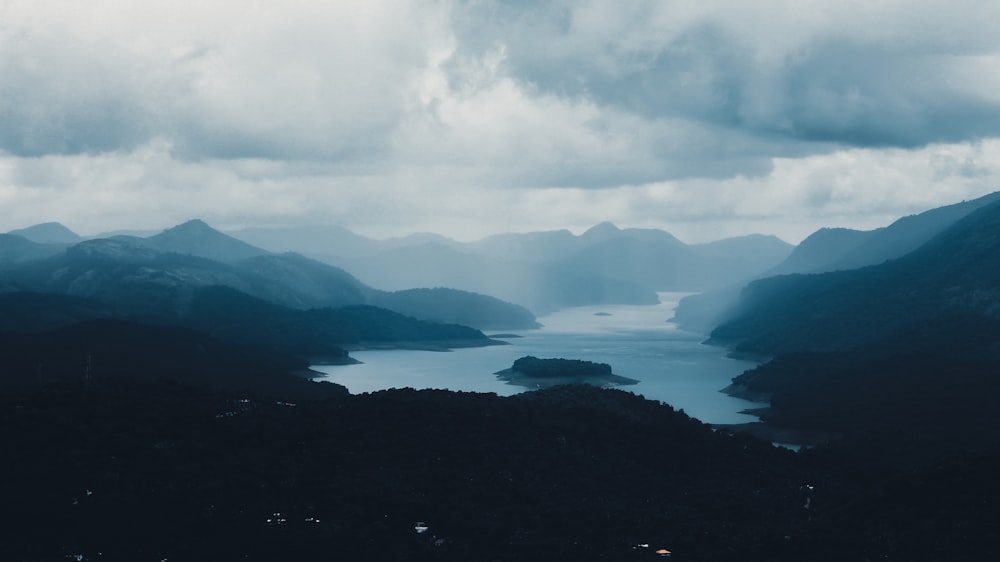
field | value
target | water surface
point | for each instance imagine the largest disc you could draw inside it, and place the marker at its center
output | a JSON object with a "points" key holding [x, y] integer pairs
{"points": [[672, 365]]}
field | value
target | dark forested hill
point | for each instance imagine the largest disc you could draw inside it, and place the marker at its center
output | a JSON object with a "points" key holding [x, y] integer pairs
{"points": [[136, 470], [318, 333], [899, 359], [457, 307], [917, 395], [832, 249], [956, 272], [27, 312], [95, 351]]}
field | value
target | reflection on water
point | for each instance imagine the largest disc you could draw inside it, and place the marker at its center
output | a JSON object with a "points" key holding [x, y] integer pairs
{"points": [[637, 341]]}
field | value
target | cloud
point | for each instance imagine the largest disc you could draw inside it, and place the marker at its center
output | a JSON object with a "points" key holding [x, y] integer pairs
{"points": [[220, 80], [474, 116], [857, 73]]}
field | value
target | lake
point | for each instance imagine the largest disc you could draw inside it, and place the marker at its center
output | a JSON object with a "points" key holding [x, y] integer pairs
{"points": [[672, 365]]}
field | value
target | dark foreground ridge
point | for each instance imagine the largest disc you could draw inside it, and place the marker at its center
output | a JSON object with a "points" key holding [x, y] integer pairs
{"points": [[137, 469]]}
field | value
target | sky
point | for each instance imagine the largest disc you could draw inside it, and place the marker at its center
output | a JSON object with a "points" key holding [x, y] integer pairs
{"points": [[469, 118]]}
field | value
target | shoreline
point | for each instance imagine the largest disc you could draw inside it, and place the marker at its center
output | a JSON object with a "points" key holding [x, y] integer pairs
{"points": [[517, 378], [424, 345], [777, 434]]}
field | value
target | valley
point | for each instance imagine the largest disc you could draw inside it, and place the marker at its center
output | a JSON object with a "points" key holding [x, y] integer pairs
{"points": [[217, 390]]}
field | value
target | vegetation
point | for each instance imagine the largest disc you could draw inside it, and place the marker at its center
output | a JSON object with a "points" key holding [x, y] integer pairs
{"points": [[114, 350], [194, 438], [533, 372], [146, 469], [534, 367], [915, 397], [955, 273], [458, 307]]}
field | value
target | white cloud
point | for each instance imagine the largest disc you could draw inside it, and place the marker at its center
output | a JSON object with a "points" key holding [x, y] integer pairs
{"points": [[707, 118]]}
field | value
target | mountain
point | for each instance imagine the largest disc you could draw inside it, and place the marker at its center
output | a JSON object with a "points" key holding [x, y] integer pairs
{"points": [[38, 312], [138, 273], [96, 351], [422, 265], [533, 247], [319, 334], [48, 233], [15, 248], [316, 241], [331, 243], [831, 249], [304, 283], [956, 272], [196, 238], [457, 307], [660, 261], [130, 275], [821, 249], [282, 301], [908, 398], [896, 361], [546, 271]]}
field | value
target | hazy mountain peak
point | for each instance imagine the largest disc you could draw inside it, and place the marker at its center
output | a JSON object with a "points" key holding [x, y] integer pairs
{"points": [[601, 230], [48, 233], [193, 225], [197, 238]]}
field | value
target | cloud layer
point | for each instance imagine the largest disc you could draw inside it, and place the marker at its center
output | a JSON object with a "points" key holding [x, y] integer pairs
{"points": [[707, 119]]}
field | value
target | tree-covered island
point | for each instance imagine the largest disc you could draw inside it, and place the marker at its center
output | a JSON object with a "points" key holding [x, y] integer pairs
{"points": [[533, 372]]}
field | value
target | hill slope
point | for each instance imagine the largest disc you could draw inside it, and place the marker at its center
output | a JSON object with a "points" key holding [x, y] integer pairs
{"points": [[957, 272], [832, 249]]}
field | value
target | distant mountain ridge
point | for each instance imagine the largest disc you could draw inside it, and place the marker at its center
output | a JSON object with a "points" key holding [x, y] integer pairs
{"points": [[285, 278], [48, 233], [196, 238], [542, 271], [15, 248]]}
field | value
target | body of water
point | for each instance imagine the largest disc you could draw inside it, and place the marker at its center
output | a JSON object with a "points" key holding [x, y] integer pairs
{"points": [[638, 342]]}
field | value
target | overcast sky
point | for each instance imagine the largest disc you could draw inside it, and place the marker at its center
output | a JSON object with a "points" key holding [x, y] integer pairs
{"points": [[706, 119]]}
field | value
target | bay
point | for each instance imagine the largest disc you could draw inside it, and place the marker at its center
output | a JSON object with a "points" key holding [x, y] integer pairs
{"points": [[639, 342]]}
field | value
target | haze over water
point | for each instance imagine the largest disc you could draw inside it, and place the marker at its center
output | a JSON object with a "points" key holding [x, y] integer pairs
{"points": [[672, 365]]}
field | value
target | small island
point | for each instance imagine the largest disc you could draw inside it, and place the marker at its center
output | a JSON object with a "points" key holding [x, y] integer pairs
{"points": [[533, 372]]}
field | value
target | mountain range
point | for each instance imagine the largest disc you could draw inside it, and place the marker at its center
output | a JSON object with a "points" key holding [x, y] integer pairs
{"points": [[956, 272], [150, 379], [898, 358], [542, 271], [159, 272], [828, 250], [195, 277]]}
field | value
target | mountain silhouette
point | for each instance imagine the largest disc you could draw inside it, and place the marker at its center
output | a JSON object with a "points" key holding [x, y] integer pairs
{"points": [[196, 238], [956, 272], [832, 249], [48, 233]]}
